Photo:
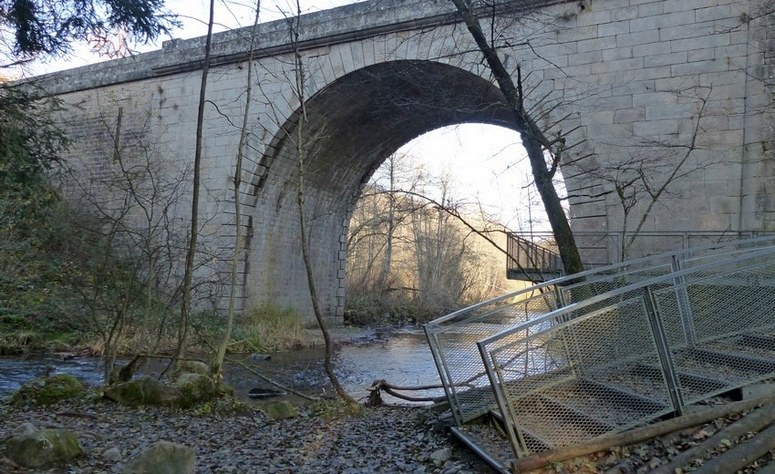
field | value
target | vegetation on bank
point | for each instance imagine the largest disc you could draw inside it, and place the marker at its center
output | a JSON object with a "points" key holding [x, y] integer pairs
{"points": [[86, 275]]}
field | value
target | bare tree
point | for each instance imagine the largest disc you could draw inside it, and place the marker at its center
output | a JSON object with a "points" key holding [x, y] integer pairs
{"points": [[653, 169], [302, 149], [127, 218], [545, 153], [188, 276], [217, 364]]}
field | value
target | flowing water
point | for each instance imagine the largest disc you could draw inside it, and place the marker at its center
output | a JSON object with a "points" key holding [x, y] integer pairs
{"points": [[402, 358]]}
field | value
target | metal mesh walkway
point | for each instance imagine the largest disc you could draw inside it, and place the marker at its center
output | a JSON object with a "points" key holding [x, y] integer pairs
{"points": [[577, 358]]}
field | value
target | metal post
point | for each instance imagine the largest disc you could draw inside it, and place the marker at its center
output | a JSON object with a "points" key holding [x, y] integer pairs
{"points": [[684, 304], [663, 351], [517, 441]]}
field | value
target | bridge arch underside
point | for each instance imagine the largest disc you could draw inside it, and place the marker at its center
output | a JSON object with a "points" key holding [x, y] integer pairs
{"points": [[351, 126]]}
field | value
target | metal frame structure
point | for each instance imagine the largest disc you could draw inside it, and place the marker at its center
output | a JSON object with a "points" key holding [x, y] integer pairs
{"points": [[631, 355]]}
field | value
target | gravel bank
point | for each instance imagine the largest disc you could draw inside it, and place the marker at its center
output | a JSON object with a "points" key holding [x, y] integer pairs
{"points": [[383, 440]]}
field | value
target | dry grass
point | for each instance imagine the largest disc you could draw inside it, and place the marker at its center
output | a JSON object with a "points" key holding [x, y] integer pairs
{"points": [[268, 328]]}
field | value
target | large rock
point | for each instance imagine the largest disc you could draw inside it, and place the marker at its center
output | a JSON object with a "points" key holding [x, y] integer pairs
{"points": [[43, 448], [194, 388], [143, 391], [280, 410], [163, 457], [48, 390]]}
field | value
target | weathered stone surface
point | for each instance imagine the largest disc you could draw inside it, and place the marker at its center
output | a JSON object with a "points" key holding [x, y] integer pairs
{"points": [[24, 429], [143, 391], [48, 390], [193, 388], [163, 457], [441, 456], [112, 454], [43, 448], [280, 410]]}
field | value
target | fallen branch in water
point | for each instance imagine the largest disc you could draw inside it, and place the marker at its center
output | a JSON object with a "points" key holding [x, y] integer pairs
{"points": [[275, 383], [382, 385]]}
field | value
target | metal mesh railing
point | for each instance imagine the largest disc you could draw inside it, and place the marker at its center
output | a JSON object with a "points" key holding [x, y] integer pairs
{"points": [[453, 338], [604, 248], [527, 260], [624, 357]]}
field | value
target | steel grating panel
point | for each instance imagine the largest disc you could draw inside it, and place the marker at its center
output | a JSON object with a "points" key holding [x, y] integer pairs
{"points": [[609, 349], [623, 358]]}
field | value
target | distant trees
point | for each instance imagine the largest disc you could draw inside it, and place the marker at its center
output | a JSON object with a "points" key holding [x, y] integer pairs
{"points": [[412, 256]]}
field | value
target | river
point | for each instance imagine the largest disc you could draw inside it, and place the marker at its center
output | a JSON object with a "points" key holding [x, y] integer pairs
{"points": [[402, 358]]}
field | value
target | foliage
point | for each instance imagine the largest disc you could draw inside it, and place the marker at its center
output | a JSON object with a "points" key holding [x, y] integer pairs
{"points": [[370, 308], [265, 328], [30, 149], [268, 328], [30, 146], [47, 27]]}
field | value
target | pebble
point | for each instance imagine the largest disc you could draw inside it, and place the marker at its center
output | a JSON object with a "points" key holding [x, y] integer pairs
{"points": [[112, 454], [384, 440]]}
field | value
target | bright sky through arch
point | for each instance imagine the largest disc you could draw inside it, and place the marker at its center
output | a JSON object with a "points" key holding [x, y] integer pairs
{"points": [[487, 166]]}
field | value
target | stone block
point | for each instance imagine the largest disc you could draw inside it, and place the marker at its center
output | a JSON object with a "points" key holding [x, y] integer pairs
{"points": [[650, 9], [715, 12], [614, 28], [651, 49], [616, 53], [706, 41], [655, 129], [634, 39], [662, 21], [665, 59]]}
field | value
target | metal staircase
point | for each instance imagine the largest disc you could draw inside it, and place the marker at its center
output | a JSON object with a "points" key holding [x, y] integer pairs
{"points": [[581, 356]]}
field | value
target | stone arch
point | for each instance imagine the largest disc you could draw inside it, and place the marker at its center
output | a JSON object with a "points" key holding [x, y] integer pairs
{"points": [[353, 124]]}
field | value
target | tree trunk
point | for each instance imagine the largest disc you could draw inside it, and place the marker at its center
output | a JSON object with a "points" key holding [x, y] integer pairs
{"points": [[301, 150], [217, 364], [188, 277], [533, 139]]}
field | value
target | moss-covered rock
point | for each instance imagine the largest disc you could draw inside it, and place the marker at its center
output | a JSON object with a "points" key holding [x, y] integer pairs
{"points": [[280, 410], [194, 388], [143, 391], [48, 390], [43, 448], [163, 457]]}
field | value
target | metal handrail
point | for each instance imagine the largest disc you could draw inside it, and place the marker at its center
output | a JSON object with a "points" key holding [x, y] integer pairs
{"points": [[579, 324], [541, 299]]}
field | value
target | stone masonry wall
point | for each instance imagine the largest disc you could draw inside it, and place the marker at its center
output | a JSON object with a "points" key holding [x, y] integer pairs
{"points": [[628, 81]]}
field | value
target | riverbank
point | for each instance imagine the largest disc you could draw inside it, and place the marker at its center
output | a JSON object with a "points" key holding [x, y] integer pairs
{"points": [[383, 439]]}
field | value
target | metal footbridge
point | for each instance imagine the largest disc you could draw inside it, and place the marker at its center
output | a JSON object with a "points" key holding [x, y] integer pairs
{"points": [[581, 356]]}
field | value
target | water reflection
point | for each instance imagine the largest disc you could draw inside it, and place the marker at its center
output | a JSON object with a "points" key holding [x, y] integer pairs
{"points": [[401, 358]]}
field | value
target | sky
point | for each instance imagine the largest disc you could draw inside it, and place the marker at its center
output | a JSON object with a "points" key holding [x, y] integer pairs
{"points": [[486, 162]]}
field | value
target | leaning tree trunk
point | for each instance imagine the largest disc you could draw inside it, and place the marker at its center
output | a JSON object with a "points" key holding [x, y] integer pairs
{"points": [[533, 139]]}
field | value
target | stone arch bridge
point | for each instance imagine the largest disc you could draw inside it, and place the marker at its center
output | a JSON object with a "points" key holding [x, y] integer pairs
{"points": [[635, 81]]}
